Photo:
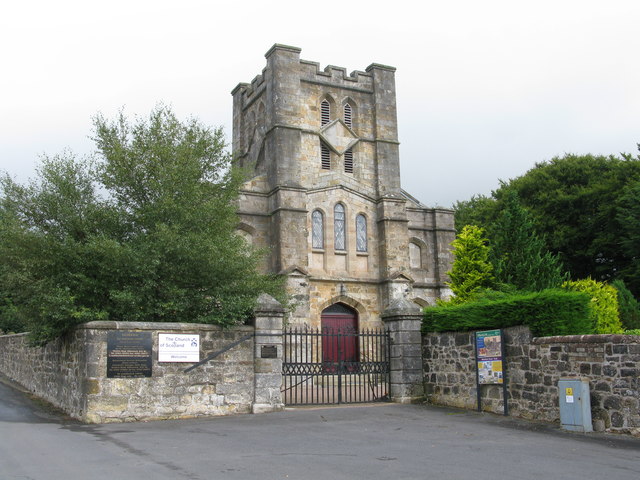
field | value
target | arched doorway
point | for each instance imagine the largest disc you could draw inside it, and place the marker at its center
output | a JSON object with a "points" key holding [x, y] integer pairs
{"points": [[339, 338]]}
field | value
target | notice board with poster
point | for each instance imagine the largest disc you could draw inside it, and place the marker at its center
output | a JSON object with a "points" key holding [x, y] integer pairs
{"points": [[489, 349], [489, 355]]}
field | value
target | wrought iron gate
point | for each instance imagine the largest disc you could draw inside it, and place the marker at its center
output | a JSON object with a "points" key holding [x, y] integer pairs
{"points": [[332, 366]]}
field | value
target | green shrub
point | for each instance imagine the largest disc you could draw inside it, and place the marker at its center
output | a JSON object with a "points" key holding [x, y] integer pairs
{"points": [[628, 306], [547, 313], [603, 305], [635, 331]]}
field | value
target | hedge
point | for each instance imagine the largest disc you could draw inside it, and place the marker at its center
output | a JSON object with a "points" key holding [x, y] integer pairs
{"points": [[547, 313]]}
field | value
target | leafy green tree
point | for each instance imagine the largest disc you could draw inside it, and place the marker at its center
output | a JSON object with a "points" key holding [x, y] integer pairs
{"points": [[603, 305], [520, 258], [574, 203], [145, 232], [471, 270], [479, 210], [42, 230]]}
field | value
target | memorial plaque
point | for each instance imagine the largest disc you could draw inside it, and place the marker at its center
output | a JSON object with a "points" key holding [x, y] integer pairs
{"points": [[269, 351], [129, 354]]}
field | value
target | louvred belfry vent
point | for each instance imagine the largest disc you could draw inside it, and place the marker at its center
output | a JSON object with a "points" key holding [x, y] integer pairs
{"points": [[348, 161], [325, 157], [347, 115], [325, 112]]}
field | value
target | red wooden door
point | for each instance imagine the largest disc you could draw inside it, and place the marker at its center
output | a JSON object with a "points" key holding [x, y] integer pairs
{"points": [[339, 337]]}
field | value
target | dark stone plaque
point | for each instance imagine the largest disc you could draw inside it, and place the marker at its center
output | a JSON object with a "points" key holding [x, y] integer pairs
{"points": [[129, 354], [269, 351]]}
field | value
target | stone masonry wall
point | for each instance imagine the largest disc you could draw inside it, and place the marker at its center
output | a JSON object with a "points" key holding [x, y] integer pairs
{"points": [[54, 372], [71, 373], [611, 363]]}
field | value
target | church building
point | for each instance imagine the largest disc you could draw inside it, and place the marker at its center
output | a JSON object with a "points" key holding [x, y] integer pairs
{"points": [[323, 193]]}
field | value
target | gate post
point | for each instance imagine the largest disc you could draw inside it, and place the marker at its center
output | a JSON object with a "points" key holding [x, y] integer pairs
{"points": [[404, 320], [269, 315]]}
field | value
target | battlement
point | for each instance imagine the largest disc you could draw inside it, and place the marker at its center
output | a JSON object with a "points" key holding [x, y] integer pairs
{"points": [[311, 72], [248, 89]]}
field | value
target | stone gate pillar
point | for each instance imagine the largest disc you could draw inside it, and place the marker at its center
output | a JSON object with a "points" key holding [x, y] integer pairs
{"points": [[269, 315], [404, 320]]}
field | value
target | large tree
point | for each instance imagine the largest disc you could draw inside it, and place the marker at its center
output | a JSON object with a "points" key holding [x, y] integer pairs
{"points": [[145, 232], [575, 204]]}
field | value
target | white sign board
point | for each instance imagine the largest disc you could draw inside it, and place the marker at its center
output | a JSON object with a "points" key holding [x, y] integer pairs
{"points": [[177, 347]]}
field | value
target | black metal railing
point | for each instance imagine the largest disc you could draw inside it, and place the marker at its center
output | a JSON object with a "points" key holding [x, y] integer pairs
{"points": [[333, 366]]}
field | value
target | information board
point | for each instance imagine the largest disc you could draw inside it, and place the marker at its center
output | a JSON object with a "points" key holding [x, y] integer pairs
{"points": [[489, 355], [129, 354], [178, 347]]}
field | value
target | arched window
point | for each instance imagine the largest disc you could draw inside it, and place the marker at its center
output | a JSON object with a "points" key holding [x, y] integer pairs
{"points": [[347, 115], [415, 255], [317, 229], [348, 161], [325, 112], [339, 233], [325, 157], [361, 233]]}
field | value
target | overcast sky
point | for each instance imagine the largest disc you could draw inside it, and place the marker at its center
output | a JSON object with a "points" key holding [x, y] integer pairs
{"points": [[485, 89]]}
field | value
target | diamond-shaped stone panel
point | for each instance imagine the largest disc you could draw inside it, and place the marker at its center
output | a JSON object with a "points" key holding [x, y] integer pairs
{"points": [[338, 136]]}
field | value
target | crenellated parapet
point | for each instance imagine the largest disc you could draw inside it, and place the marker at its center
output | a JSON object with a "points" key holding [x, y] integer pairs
{"points": [[336, 76], [311, 72]]}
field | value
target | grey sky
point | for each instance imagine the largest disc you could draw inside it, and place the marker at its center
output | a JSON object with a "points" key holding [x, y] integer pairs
{"points": [[485, 88]]}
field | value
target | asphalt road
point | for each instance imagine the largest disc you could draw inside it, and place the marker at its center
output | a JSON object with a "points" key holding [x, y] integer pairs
{"points": [[369, 442]]}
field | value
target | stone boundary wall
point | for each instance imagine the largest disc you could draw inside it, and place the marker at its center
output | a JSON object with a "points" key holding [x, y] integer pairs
{"points": [[54, 372], [611, 363], [71, 372]]}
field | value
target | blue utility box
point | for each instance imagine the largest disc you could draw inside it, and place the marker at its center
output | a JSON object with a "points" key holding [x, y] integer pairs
{"points": [[575, 404]]}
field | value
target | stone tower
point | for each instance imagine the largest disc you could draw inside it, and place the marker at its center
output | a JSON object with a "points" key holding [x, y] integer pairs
{"points": [[323, 192]]}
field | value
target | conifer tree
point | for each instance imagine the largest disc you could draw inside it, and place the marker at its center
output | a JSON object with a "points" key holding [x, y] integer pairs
{"points": [[471, 271], [519, 256]]}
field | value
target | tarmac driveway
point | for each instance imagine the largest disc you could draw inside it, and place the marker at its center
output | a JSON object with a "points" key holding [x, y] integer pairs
{"points": [[384, 441]]}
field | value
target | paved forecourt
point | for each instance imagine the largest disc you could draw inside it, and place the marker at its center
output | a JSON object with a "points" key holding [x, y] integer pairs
{"points": [[371, 441]]}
